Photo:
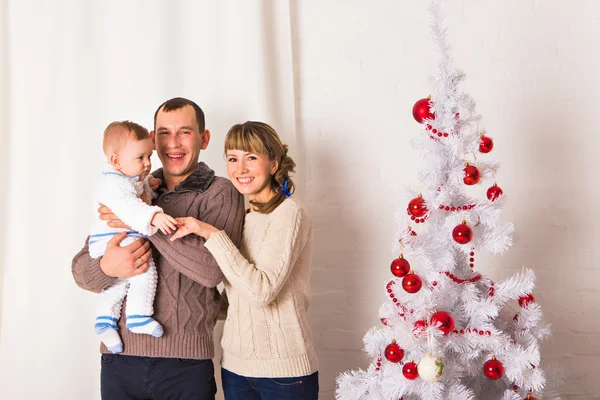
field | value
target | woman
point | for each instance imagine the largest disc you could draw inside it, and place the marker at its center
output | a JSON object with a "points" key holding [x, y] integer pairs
{"points": [[267, 343]]}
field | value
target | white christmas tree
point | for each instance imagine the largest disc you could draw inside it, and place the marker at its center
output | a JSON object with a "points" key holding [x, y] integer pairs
{"points": [[443, 334]]}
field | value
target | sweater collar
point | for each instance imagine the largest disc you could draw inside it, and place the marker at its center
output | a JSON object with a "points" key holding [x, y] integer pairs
{"points": [[108, 169], [198, 181]]}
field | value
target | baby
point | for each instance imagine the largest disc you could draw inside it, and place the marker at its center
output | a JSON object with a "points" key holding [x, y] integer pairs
{"points": [[124, 188]]}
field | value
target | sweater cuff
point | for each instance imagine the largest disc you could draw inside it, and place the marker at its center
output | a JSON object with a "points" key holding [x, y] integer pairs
{"points": [[220, 242], [97, 277]]}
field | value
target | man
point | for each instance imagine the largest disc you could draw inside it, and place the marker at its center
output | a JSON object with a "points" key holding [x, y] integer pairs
{"points": [[179, 364]]}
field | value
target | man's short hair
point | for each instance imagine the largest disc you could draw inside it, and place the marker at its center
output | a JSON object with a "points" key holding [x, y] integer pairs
{"points": [[179, 102]]}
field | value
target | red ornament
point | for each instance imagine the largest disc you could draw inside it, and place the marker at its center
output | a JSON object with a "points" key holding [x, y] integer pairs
{"points": [[417, 207], [412, 283], [524, 301], [422, 110], [443, 320], [472, 175], [530, 397], [420, 327], [409, 370], [493, 369], [393, 352], [494, 192], [384, 321], [462, 234], [400, 267], [486, 144]]}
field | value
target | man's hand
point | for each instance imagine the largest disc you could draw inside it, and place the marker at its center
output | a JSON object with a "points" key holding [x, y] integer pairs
{"points": [[164, 222], [113, 221], [125, 262]]}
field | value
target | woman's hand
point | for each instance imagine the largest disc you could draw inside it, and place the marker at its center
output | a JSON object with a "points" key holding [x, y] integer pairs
{"points": [[188, 225]]}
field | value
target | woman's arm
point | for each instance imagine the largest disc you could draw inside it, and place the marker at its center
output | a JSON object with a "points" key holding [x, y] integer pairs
{"points": [[261, 281]]}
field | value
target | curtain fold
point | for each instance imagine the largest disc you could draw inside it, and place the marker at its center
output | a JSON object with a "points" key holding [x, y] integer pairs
{"points": [[74, 67]]}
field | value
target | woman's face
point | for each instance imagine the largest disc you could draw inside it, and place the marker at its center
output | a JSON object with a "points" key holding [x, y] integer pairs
{"points": [[251, 174]]}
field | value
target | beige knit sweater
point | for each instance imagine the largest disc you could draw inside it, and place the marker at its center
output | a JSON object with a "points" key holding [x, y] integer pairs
{"points": [[267, 280]]}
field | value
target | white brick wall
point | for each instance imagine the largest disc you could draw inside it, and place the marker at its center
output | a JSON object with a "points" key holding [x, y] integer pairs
{"points": [[532, 66]]}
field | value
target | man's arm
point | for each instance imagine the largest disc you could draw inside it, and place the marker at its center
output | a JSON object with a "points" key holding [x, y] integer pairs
{"points": [[98, 274], [188, 255], [87, 273]]}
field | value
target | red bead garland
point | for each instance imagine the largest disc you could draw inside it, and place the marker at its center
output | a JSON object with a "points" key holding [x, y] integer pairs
{"points": [[417, 220], [462, 281], [457, 208], [436, 132], [476, 331]]}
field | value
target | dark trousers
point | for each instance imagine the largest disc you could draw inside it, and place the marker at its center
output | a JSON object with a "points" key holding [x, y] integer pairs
{"points": [[148, 378], [237, 387]]}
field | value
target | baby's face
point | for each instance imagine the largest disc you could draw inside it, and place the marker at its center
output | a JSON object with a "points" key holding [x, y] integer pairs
{"points": [[134, 158]]}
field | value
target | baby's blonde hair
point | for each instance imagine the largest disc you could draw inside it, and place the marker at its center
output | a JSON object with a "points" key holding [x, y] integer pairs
{"points": [[118, 133]]}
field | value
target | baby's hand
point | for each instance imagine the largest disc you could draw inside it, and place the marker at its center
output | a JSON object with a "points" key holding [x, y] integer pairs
{"points": [[164, 222], [154, 183]]}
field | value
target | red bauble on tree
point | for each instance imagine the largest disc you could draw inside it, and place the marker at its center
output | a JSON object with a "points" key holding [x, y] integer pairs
{"points": [[494, 192], [524, 301], [417, 207], [472, 175], [462, 234], [409, 370], [420, 327], [443, 321], [412, 283], [393, 352], [530, 397], [400, 267], [493, 369], [486, 144], [422, 110]]}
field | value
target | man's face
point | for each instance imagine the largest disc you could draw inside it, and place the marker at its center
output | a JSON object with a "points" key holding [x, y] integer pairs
{"points": [[179, 141]]}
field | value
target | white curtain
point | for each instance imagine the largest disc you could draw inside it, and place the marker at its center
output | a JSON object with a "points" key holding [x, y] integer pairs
{"points": [[67, 69]]}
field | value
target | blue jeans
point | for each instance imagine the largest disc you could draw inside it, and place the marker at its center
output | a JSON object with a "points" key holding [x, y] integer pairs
{"points": [[237, 387]]}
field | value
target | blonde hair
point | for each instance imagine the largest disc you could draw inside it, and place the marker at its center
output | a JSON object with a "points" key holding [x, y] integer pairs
{"points": [[260, 138], [118, 133]]}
